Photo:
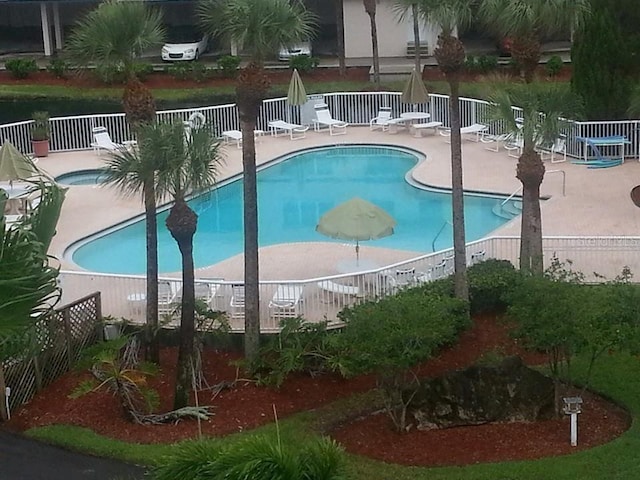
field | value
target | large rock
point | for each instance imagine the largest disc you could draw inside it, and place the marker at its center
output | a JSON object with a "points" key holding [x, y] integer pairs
{"points": [[509, 392]]}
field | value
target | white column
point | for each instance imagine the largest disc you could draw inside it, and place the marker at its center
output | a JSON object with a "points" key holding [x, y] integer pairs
{"points": [[46, 30], [57, 27], [234, 48]]}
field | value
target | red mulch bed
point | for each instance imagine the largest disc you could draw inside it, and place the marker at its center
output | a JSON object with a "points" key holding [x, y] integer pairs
{"points": [[249, 406]]}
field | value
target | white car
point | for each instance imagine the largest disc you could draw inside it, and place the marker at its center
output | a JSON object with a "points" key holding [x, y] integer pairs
{"points": [[184, 47], [303, 48]]}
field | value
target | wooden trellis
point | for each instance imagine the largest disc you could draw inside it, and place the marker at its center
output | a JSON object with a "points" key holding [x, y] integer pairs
{"points": [[57, 342]]}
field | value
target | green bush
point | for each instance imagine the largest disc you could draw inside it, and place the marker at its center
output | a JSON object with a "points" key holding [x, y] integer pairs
{"points": [[188, 71], [490, 285], [487, 63], [58, 67], [21, 67], [470, 63], [303, 63], [228, 65], [299, 347], [110, 73], [254, 457], [554, 65], [142, 70]]}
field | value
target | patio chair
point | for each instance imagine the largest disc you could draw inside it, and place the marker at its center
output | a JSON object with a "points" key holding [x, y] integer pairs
{"points": [[167, 298], [493, 140], [102, 141], [477, 257], [237, 302], [475, 131], [515, 146], [404, 277], [286, 301], [381, 120], [559, 147], [236, 136], [324, 119], [295, 131]]}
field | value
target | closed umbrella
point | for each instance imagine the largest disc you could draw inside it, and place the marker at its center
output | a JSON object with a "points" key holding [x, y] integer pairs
{"points": [[14, 165], [358, 220], [297, 95], [415, 91]]}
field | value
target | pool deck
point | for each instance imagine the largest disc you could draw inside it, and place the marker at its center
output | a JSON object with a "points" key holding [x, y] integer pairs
{"points": [[597, 201]]}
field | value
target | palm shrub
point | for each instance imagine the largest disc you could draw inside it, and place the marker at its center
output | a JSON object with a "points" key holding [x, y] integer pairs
{"points": [[257, 456], [21, 67]]}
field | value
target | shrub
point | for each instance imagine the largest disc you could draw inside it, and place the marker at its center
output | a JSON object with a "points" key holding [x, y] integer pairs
{"points": [[21, 67], [58, 67], [188, 71], [554, 65], [486, 63], [40, 127], [142, 70], [303, 63], [299, 347], [110, 73], [257, 456], [470, 63], [228, 65], [490, 284]]}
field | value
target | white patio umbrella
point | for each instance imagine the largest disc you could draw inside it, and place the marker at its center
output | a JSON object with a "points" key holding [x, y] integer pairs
{"points": [[358, 220]]}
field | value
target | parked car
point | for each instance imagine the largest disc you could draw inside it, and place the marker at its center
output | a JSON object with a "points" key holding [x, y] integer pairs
{"points": [[184, 46], [286, 53]]}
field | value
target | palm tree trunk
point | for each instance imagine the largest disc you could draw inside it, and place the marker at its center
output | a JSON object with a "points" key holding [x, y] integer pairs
{"points": [[183, 231], [370, 8], [151, 222], [251, 272], [457, 196], [416, 38], [530, 172], [342, 62]]}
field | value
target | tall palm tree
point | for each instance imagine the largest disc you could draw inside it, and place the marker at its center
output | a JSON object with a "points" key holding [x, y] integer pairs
{"points": [[187, 164], [450, 15], [116, 33], [542, 112], [370, 8], [342, 62], [527, 21], [403, 8], [261, 27]]}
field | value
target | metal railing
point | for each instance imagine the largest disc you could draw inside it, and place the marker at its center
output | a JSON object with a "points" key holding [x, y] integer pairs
{"points": [[356, 108], [323, 297]]}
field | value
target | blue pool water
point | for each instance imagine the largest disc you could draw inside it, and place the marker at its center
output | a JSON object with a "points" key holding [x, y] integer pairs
{"points": [[81, 177], [293, 195]]}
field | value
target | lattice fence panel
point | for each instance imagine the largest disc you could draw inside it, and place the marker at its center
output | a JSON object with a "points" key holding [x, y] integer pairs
{"points": [[57, 343]]}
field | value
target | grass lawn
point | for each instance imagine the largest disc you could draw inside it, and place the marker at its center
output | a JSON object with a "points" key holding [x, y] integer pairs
{"points": [[616, 376]]}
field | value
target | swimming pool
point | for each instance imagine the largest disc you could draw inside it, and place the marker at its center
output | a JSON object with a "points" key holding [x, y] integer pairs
{"points": [[293, 193], [82, 177]]}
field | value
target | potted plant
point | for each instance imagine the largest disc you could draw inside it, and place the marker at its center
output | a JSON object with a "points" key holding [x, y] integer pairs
{"points": [[40, 134]]}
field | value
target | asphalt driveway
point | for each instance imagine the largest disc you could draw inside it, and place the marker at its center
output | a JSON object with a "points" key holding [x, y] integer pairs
{"points": [[24, 459]]}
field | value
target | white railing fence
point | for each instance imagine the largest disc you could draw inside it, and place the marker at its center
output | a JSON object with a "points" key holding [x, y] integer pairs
{"points": [[322, 298], [356, 108]]}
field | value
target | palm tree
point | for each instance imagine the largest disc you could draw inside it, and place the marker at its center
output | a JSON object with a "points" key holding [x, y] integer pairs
{"points": [[542, 124], [28, 282], [115, 34], [261, 27], [370, 8], [450, 15], [342, 63], [185, 164], [402, 9], [527, 21]]}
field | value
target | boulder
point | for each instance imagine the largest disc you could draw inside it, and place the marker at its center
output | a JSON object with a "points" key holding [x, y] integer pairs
{"points": [[508, 392]]}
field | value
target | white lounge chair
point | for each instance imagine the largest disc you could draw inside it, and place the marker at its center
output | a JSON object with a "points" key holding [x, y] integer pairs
{"points": [[102, 141], [167, 303], [477, 257], [237, 302], [493, 140], [381, 120], [559, 149], [286, 301], [514, 147], [475, 130], [236, 136], [295, 131], [324, 119]]}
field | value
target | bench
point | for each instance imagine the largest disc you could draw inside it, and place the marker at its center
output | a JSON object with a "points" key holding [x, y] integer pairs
{"points": [[418, 127]]}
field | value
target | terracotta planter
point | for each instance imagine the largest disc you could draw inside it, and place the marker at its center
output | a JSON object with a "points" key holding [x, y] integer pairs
{"points": [[40, 147]]}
